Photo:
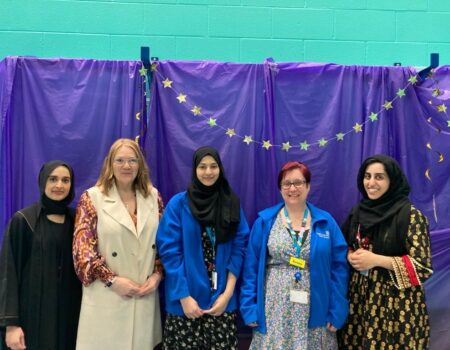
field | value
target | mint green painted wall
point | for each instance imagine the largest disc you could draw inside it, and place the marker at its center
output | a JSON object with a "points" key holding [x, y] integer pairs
{"points": [[368, 32]]}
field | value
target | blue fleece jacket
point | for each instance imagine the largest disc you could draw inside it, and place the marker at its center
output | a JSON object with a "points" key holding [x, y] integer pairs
{"points": [[328, 266], [179, 244]]}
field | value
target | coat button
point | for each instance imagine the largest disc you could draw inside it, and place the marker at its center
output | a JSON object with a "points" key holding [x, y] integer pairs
{"points": [[154, 246], [114, 254]]}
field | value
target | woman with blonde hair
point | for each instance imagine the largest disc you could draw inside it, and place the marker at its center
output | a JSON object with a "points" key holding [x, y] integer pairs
{"points": [[115, 255]]}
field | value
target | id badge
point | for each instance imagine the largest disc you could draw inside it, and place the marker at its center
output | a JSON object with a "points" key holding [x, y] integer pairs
{"points": [[297, 262], [299, 296], [214, 280]]}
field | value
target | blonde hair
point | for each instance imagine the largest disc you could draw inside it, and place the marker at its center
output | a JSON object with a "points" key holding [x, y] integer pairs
{"points": [[142, 181]]}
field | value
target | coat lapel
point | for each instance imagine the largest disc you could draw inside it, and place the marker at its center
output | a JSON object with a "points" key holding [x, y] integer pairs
{"points": [[145, 210], [114, 207]]}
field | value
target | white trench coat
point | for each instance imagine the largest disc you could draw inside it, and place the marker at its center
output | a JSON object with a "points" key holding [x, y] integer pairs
{"points": [[108, 321]]}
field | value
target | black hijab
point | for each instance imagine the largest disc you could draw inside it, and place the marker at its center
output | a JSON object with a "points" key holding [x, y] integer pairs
{"points": [[384, 220], [215, 205], [51, 206]]}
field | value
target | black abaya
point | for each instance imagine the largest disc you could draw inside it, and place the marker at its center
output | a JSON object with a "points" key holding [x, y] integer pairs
{"points": [[39, 289]]}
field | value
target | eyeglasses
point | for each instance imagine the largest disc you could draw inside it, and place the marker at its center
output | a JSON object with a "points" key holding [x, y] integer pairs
{"points": [[130, 162], [297, 184]]}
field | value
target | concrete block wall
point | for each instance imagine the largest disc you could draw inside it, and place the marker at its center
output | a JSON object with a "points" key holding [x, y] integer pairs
{"points": [[363, 32]]}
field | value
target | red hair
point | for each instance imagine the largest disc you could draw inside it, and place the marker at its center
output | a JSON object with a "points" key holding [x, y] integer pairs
{"points": [[291, 166]]}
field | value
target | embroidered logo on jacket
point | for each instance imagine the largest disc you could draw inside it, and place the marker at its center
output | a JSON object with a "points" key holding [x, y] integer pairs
{"points": [[325, 235]]}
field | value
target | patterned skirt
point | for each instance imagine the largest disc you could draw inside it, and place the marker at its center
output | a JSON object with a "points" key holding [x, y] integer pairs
{"points": [[204, 333]]}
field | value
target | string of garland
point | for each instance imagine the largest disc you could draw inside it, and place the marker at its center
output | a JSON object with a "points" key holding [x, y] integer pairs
{"points": [[441, 108], [357, 128], [286, 146]]}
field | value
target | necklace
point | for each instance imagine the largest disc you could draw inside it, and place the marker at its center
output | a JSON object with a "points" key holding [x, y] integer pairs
{"points": [[129, 205]]}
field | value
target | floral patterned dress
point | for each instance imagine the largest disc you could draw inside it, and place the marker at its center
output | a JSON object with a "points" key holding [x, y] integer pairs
{"points": [[287, 322]]}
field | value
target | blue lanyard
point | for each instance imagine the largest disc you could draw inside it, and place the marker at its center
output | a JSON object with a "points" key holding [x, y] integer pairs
{"points": [[212, 238], [294, 235]]}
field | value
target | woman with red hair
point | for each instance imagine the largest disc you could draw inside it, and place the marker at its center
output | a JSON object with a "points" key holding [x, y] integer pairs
{"points": [[295, 276]]}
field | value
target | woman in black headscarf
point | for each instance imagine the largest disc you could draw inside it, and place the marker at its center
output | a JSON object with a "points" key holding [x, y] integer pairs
{"points": [[40, 294], [201, 240], [389, 250]]}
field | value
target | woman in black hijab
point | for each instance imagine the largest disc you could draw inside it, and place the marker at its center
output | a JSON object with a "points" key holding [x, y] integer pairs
{"points": [[389, 251], [40, 294], [201, 240]]}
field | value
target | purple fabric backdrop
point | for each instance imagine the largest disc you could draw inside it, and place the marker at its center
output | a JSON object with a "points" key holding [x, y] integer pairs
{"points": [[305, 103], [61, 109], [74, 110]]}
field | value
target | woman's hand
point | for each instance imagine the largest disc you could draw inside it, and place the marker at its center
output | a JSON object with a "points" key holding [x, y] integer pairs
{"points": [[124, 287], [349, 253], [219, 305], [253, 324], [150, 285], [191, 308], [222, 301], [15, 338], [331, 328], [363, 259]]}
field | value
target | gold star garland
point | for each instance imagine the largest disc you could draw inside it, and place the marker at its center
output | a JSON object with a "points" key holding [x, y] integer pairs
{"points": [[303, 146], [440, 108]]}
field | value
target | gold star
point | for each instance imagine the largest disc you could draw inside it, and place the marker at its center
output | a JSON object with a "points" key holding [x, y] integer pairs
{"points": [[442, 108], [436, 92], [448, 123], [142, 71], [373, 117], [387, 105], [196, 110], [413, 79], [248, 139], [286, 146], [340, 136], [167, 83], [212, 122], [181, 98], [138, 115], [154, 67], [357, 127], [322, 142], [230, 132], [401, 93], [266, 144], [304, 145]]}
